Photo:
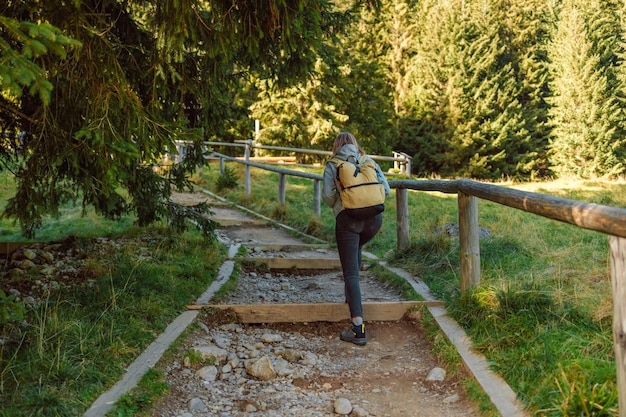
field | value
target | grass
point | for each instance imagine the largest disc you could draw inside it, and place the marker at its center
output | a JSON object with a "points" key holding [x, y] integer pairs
{"points": [[77, 340], [543, 312], [71, 220]]}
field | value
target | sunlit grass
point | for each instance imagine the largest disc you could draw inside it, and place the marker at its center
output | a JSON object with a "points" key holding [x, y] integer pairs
{"points": [[72, 220]]}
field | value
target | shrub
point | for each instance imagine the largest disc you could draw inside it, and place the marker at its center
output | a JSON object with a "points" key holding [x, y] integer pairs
{"points": [[228, 180]]}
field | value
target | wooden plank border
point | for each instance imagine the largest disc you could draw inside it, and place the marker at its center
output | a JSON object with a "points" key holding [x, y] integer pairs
{"points": [[296, 263], [314, 312]]}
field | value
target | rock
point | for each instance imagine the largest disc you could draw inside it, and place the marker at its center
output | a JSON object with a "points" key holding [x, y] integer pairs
{"points": [[47, 270], [47, 257], [309, 359], [436, 374], [26, 264], [211, 352], [204, 327], [221, 342], [343, 406], [196, 405], [282, 367], [452, 229], [262, 369], [29, 254], [290, 355], [451, 399], [415, 315], [16, 272], [207, 373], [359, 412], [271, 338]]}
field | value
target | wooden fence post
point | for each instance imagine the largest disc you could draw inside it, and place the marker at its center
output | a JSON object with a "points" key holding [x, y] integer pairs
{"points": [[247, 157], [222, 166], [317, 198], [282, 187], [617, 247], [469, 241], [402, 218]]}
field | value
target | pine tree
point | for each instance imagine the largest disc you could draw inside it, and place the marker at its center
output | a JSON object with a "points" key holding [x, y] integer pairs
{"points": [[428, 121], [366, 90], [588, 121], [348, 90], [480, 76], [525, 31], [302, 116]]}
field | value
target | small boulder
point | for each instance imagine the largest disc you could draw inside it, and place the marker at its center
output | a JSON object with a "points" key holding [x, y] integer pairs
{"points": [[262, 369]]}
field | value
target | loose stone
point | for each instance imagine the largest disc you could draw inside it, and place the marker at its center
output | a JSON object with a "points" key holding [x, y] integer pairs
{"points": [[343, 406]]}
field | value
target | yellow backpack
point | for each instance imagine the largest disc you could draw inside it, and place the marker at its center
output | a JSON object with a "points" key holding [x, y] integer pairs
{"points": [[360, 187]]}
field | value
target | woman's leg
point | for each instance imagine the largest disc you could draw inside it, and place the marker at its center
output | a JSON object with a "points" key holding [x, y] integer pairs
{"points": [[347, 232]]}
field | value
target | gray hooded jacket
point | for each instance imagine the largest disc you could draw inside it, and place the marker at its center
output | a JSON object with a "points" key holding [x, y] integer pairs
{"points": [[330, 190]]}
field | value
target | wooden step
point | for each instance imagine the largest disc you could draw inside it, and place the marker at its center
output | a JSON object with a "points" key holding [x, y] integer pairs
{"points": [[295, 263], [308, 313], [9, 247], [290, 247]]}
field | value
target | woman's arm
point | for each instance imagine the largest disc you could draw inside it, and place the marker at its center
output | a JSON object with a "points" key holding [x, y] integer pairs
{"points": [[329, 189]]}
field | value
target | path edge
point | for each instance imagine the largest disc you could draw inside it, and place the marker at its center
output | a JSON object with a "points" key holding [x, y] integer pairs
{"points": [[153, 353]]}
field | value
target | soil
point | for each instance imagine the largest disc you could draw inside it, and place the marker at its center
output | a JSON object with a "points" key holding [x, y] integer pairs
{"points": [[387, 377]]}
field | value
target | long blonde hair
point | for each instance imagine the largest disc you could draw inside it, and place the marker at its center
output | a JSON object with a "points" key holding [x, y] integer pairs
{"points": [[345, 138]]}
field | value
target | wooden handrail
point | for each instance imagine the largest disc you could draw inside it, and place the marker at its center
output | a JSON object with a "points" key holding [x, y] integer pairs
{"points": [[601, 218], [605, 219]]}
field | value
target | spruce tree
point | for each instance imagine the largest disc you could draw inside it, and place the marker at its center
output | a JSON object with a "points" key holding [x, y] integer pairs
{"points": [[467, 89], [302, 116], [477, 97], [366, 91], [348, 89], [525, 30], [587, 117], [429, 119]]}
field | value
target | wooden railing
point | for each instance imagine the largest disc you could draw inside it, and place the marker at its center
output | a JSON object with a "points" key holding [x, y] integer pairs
{"points": [[600, 218], [401, 161]]}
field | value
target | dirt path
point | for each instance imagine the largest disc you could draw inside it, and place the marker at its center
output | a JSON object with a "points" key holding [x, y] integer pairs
{"points": [[387, 377]]}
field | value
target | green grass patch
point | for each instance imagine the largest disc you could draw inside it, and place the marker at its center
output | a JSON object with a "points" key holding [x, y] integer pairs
{"points": [[72, 220], [397, 282], [543, 312], [77, 340], [150, 388]]}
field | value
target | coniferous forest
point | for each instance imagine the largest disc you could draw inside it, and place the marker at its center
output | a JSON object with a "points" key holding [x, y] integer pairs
{"points": [[483, 89], [94, 92]]}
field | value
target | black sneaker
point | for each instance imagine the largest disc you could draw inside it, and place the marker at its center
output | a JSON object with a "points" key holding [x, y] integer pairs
{"points": [[355, 334]]}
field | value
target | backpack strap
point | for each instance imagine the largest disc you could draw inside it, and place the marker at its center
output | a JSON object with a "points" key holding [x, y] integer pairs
{"points": [[338, 163]]}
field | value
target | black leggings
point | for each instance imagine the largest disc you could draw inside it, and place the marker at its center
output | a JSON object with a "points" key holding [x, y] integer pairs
{"points": [[351, 234]]}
